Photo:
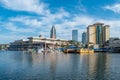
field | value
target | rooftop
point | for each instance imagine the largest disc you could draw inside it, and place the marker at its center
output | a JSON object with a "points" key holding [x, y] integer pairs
{"points": [[98, 23]]}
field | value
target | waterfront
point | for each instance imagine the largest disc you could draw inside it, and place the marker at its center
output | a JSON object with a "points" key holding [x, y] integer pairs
{"points": [[16, 65]]}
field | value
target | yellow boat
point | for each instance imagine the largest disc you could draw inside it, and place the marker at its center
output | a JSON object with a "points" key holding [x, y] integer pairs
{"points": [[79, 51]]}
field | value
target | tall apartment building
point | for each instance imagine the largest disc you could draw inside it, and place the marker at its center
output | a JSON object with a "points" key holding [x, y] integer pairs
{"points": [[98, 33], [91, 34]]}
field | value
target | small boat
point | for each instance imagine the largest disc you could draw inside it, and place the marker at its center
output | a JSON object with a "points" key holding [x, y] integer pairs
{"points": [[43, 50], [40, 50], [31, 51]]}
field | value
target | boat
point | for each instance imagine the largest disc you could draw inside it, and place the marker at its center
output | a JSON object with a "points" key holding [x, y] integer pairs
{"points": [[78, 50], [114, 50], [31, 50], [84, 51], [40, 50], [101, 50]]}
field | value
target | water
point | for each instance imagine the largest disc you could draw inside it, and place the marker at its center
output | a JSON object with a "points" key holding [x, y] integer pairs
{"points": [[26, 66]]}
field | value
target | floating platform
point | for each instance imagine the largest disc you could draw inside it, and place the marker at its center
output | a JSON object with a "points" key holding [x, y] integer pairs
{"points": [[79, 51]]}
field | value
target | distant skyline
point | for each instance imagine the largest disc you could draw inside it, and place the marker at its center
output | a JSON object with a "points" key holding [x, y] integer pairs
{"points": [[24, 18]]}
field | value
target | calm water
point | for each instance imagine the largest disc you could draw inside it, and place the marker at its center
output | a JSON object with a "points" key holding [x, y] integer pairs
{"points": [[27, 66]]}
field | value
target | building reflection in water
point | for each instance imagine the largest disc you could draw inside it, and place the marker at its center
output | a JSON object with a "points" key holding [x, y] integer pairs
{"points": [[94, 66], [75, 67], [78, 66], [53, 65], [97, 67], [66, 66], [102, 66]]}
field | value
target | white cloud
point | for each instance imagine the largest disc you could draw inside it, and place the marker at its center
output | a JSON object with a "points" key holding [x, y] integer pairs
{"points": [[34, 6], [115, 8], [47, 19], [81, 7], [13, 28], [26, 20], [10, 37]]}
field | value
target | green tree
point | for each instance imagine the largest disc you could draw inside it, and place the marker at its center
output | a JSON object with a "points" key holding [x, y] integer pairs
{"points": [[0, 47], [62, 45]]}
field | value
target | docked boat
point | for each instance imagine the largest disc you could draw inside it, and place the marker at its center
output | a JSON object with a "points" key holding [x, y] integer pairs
{"points": [[101, 50], [31, 50], [70, 51], [83, 51], [79, 51], [115, 50], [40, 50]]}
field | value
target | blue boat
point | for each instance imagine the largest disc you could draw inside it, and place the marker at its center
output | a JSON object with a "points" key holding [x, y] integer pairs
{"points": [[101, 50]]}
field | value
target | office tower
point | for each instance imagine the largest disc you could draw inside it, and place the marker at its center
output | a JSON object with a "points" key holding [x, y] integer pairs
{"points": [[84, 37], [75, 35], [98, 33], [53, 32]]}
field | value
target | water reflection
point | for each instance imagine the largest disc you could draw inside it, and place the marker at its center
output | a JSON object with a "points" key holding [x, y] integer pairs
{"points": [[22, 65], [102, 66]]}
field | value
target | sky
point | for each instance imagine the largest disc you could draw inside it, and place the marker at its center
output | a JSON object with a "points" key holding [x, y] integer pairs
{"points": [[20, 19]]}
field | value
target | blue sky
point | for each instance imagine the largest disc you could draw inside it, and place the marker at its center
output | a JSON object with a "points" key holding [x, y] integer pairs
{"points": [[20, 19]]}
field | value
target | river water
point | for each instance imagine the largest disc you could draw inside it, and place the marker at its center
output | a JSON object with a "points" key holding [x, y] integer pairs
{"points": [[16, 65]]}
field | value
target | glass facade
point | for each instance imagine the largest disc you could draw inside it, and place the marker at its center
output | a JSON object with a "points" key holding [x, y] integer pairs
{"points": [[53, 32], [99, 32], [84, 37], [75, 35]]}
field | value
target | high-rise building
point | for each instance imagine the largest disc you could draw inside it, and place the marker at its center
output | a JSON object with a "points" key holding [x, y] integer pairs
{"points": [[91, 34], [84, 37], [98, 33], [53, 32], [106, 32], [75, 35]]}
